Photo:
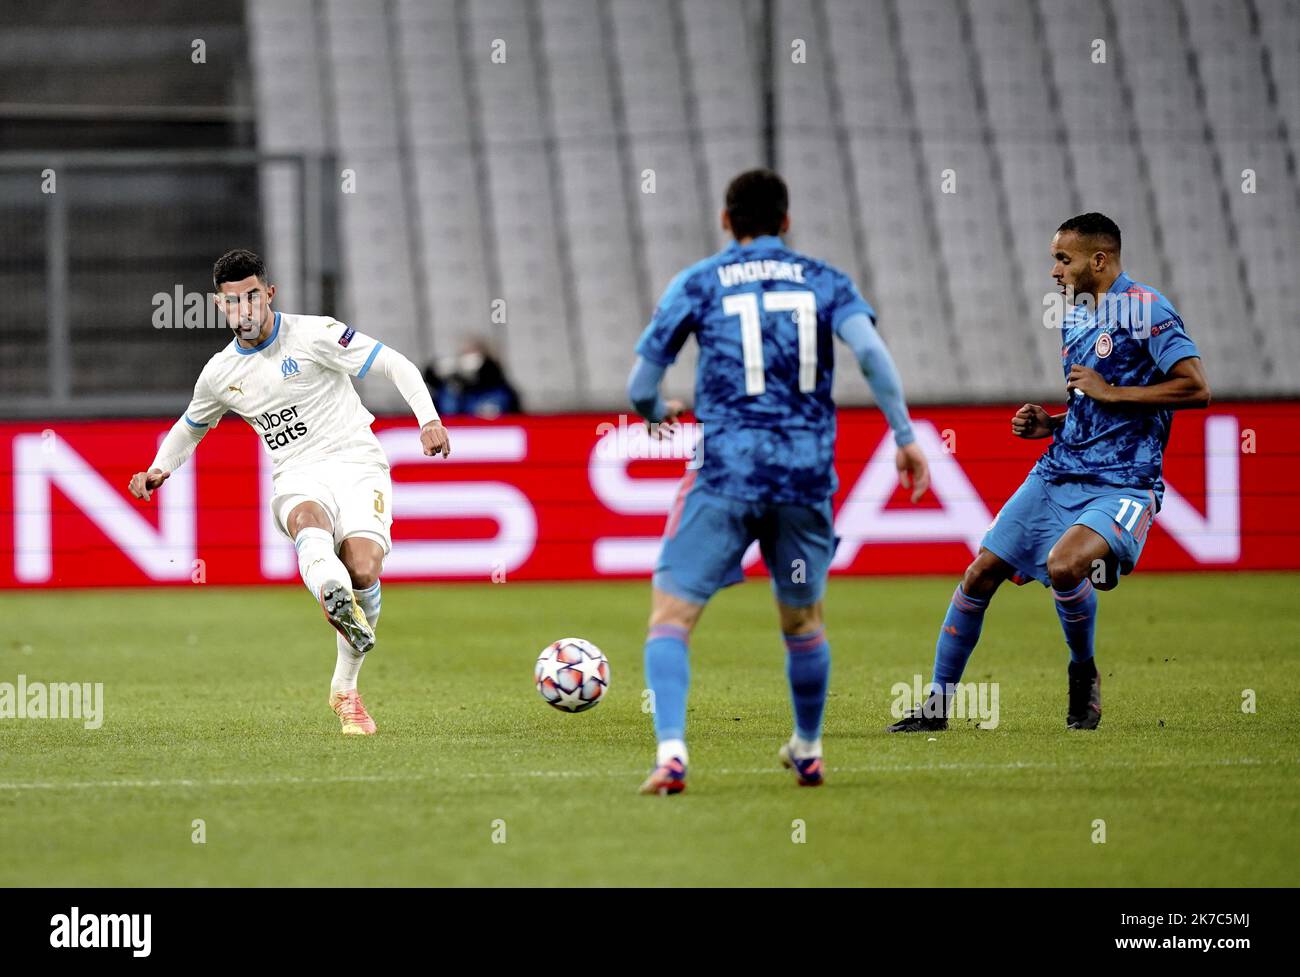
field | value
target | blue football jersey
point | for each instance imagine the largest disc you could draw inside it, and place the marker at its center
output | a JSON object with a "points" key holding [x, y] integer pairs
{"points": [[1132, 339], [764, 318]]}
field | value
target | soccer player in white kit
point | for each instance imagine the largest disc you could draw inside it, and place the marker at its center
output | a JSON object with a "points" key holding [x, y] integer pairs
{"points": [[288, 377]]}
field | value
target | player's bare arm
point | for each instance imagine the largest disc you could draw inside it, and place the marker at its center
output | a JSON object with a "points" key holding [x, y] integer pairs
{"points": [[1187, 387]]}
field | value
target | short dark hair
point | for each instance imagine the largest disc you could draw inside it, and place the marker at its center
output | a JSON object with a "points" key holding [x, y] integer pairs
{"points": [[236, 265], [1094, 225], [757, 202]]}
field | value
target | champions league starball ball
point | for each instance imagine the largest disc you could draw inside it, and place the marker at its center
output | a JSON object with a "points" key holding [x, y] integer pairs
{"points": [[571, 674]]}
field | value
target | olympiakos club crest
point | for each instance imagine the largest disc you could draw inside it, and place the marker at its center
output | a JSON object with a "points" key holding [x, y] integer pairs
{"points": [[288, 367], [1104, 345]]}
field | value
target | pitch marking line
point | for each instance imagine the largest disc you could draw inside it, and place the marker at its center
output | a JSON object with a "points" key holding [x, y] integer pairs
{"points": [[625, 774]]}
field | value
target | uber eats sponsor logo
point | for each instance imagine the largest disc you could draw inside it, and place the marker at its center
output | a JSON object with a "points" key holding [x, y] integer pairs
{"points": [[280, 427], [120, 931]]}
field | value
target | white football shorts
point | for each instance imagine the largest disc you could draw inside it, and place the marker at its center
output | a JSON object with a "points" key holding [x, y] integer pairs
{"points": [[356, 496]]}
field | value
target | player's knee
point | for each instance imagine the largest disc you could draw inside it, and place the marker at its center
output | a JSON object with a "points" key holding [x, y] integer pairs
{"points": [[981, 579], [365, 574], [364, 568], [800, 620], [306, 515], [674, 611], [1066, 569]]}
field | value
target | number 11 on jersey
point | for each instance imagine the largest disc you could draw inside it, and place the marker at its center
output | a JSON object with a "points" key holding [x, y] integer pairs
{"points": [[803, 305]]}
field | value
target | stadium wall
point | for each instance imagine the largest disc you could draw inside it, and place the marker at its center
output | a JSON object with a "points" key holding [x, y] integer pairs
{"points": [[581, 496]]}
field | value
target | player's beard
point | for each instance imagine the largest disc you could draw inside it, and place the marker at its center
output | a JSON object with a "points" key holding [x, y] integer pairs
{"points": [[249, 333], [1084, 286]]}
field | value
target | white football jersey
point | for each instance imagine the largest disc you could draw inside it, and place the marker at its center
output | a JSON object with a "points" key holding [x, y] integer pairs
{"points": [[295, 390]]}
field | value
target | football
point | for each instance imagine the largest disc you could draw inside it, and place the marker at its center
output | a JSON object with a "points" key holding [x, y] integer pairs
{"points": [[572, 674]]}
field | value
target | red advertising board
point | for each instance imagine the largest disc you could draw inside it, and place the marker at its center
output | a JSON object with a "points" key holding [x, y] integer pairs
{"points": [[583, 496]]}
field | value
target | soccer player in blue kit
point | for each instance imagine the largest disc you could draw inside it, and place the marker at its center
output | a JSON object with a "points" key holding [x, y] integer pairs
{"points": [[1081, 517], [764, 318]]}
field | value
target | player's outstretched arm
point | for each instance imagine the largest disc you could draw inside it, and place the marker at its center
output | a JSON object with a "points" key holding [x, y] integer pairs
{"points": [[174, 451], [409, 382], [879, 369]]}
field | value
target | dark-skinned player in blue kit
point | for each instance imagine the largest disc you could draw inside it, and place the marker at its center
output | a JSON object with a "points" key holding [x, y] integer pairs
{"points": [[1081, 517]]}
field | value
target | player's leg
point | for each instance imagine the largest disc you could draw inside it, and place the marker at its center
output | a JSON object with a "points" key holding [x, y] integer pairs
{"points": [[1104, 542], [363, 555], [798, 543], [704, 541], [1070, 565], [960, 632], [311, 527], [668, 674], [363, 533], [363, 558], [1014, 548], [808, 670]]}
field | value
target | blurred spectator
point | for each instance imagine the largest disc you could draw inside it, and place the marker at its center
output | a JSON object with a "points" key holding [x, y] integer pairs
{"points": [[472, 382]]}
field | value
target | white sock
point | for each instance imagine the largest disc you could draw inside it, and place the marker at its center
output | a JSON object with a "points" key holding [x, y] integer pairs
{"points": [[317, 561], [803, 749], [671, 748], [371, 602], [347, 667], [349, 661]]}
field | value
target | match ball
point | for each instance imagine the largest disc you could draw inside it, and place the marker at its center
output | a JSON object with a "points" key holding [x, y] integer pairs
{"points": [[571, 674]]}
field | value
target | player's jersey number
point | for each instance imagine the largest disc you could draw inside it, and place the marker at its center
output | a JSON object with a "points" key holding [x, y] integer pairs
{"points": [[1129, 505], [804, 307]]}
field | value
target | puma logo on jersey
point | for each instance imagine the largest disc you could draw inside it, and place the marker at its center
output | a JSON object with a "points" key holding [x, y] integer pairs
{"points": [[234, 388]]}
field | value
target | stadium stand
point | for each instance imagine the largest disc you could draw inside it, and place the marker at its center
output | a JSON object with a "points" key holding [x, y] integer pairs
{"points": [[567, 158]]}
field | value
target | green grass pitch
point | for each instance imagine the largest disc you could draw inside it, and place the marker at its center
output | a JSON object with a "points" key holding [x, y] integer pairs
{"points": [[215, 704]]}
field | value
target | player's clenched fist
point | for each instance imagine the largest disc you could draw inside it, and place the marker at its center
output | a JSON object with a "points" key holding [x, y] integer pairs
{"points": [[1031, 421], [143, 484], [435, 440]]}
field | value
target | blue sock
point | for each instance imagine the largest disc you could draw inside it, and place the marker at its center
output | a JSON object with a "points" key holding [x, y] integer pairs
{"points": [[808, 667], [1077, 609], [957, 638], [668, 673]]}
